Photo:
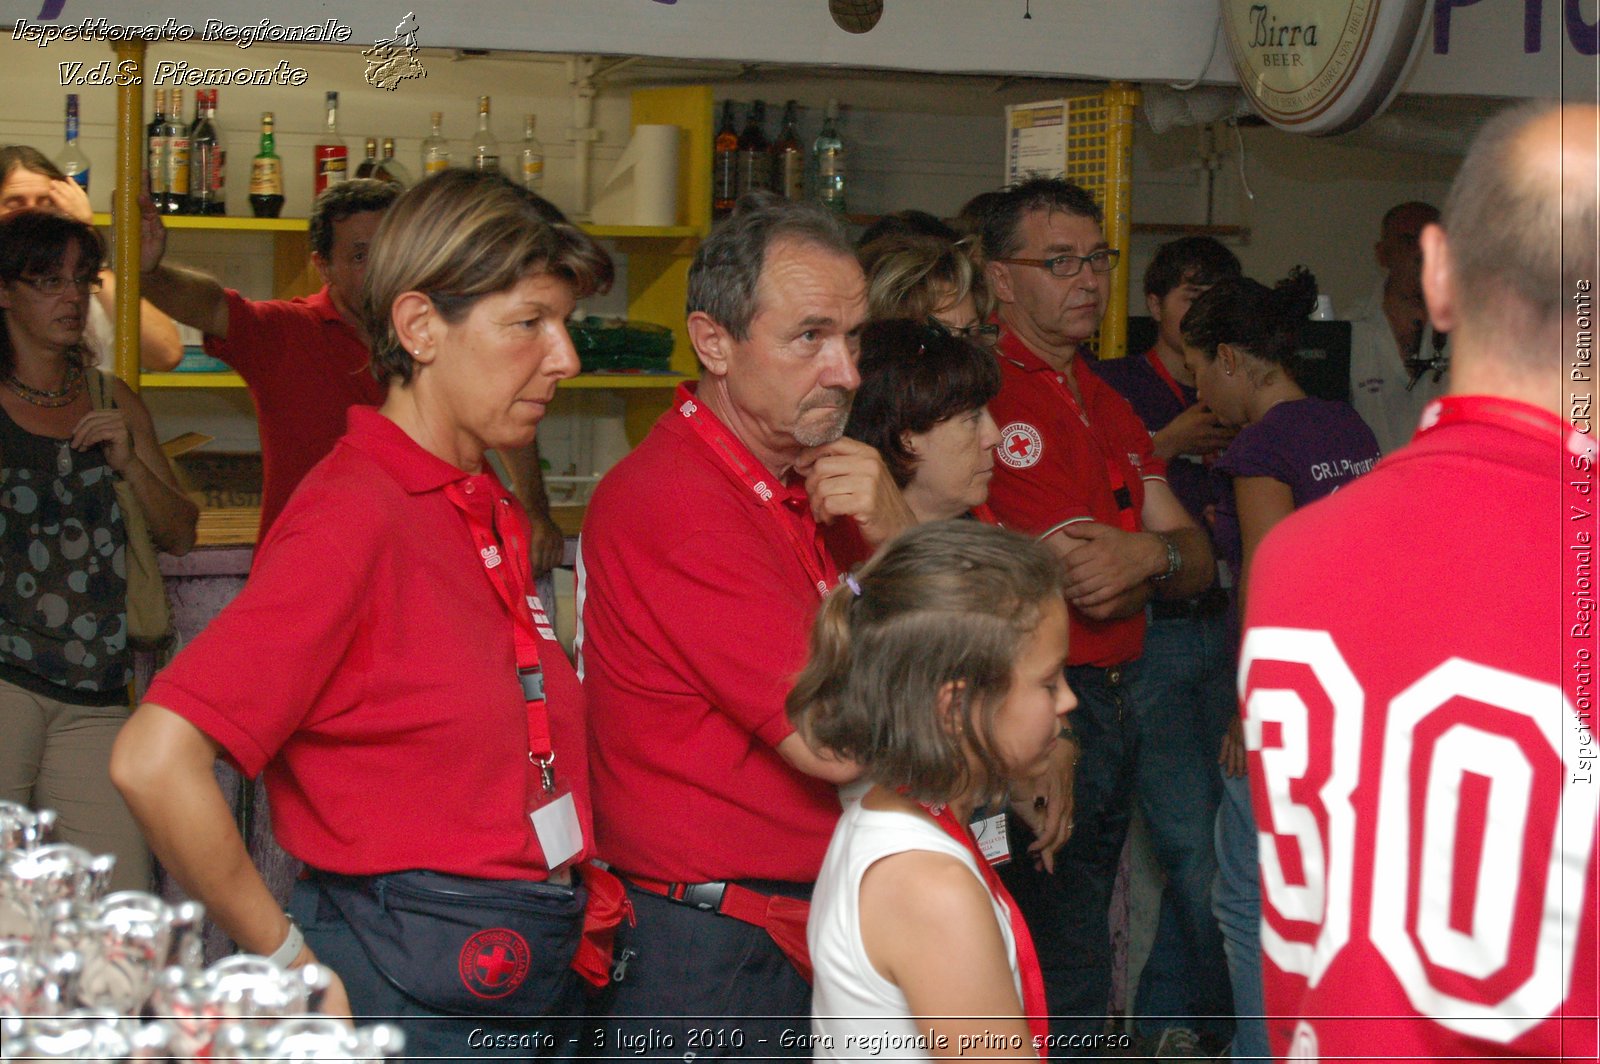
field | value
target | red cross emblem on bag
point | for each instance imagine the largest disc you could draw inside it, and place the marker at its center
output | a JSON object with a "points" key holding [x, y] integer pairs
{"points": [[494, 963]]}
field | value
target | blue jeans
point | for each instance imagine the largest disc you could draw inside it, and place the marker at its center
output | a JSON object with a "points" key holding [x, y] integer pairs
{"points": [[1237, 900], [1185, 697], [1068, 913]]}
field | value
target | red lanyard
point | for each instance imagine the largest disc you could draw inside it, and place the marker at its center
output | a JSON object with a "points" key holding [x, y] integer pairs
{"points": [[1166, 377], [983, 513], [1505, 414], [736, 457], [1036, 1010], [1127, 516], [503, 546]]}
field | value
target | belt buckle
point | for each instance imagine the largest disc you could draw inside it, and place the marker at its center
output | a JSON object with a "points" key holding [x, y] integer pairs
{"points": [[707, 897]]}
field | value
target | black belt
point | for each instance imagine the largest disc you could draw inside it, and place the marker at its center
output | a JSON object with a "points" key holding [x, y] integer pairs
{"points": [[1211, 602]]}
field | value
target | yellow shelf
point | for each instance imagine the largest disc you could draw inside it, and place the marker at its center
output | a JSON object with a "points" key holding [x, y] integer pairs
{"points": [[626, 380], [191, 380], [642, 232], [224, 223]]}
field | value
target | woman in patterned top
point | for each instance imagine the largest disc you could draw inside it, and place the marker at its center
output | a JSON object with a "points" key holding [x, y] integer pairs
{"points": [[64, 660]]}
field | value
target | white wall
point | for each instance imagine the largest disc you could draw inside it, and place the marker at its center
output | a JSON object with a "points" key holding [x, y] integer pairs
{"points": [[913, 142]]}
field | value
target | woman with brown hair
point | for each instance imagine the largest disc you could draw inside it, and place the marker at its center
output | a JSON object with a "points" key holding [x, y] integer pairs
{"points": [[391, 671], [29, 181], [65, 664]]}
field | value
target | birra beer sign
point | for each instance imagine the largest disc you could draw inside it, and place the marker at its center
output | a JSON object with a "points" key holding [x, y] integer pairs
{"points": [[1322, 66]]}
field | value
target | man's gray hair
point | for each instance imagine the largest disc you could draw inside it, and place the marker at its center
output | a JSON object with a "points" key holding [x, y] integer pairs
{"points": [[1522, 231], [727, 267]]}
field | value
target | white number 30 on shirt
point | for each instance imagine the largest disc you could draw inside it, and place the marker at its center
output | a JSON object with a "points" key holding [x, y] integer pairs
{"points": [[1474, 792]]}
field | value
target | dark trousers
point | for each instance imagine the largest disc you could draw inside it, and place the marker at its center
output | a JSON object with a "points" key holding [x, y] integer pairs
{"points": [[1069, 912], [697, 984], [430, 1036]]}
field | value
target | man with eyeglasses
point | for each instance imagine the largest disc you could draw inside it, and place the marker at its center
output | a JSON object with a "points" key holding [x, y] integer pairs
{"points": [[1076, 468]]}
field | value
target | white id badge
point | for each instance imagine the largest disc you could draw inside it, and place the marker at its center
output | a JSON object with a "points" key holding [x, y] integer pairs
{"points": [[992, 841], [555, 824]]}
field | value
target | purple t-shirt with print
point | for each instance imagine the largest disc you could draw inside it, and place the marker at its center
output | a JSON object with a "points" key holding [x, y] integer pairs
{"points": [[1315, 446]]}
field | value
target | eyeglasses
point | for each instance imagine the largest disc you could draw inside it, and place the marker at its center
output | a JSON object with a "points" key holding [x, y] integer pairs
{"points": [[985, 333], [1102, 261], [54, 286]]}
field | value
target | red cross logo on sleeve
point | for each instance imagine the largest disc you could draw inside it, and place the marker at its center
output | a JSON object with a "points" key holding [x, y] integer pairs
{"points": [[1020, 446]]}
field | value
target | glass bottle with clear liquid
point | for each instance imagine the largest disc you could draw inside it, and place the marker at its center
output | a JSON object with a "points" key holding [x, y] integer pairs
{"points": [[435, 149], [531, 157], [73, 160], [485, 148], [828, 150]]}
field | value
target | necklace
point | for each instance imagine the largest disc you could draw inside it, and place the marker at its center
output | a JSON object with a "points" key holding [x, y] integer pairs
{"points": [[62, 396]]}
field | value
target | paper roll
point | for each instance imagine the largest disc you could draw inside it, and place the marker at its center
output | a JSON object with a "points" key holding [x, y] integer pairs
{"points": [[643, 187]]}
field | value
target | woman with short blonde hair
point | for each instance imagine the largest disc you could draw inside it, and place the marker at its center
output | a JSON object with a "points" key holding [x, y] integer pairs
{"points": [[392, 673]]}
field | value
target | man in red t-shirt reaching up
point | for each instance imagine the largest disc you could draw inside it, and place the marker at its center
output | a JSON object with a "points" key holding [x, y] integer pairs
{"points": [[1418, 660]]}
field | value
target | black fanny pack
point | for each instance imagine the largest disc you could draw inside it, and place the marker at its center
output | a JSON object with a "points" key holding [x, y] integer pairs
{"points": [[467, 946]]}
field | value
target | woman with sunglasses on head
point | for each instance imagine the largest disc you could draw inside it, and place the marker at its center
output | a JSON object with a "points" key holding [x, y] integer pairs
{"points": [[64, 658], [29, 181], [922, 405], [924, 277]]}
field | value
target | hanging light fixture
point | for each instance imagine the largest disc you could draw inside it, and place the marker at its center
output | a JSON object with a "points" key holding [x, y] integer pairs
{"points": [[855, 16]]}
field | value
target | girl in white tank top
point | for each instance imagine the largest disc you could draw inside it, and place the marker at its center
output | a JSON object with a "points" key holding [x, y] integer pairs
{"points": [[938, 669]]}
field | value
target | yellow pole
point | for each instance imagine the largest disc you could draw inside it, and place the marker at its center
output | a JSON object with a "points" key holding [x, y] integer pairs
{"points": [[125, 207], [1121, 98]]}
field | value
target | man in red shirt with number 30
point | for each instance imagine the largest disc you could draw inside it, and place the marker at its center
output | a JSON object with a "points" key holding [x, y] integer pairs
{"points": [[1418, 661]]}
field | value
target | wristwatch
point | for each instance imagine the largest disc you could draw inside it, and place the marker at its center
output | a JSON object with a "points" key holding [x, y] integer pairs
{"points": [[1174, 559]]}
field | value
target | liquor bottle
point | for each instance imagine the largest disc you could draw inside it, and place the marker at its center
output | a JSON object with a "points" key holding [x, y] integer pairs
{"points": [[176, 178], [389, 168], [435, 149], [532, 157], [725, 165], [828, 151], [72, 160], [207, 159], [266, 174], [755, 160], [788, 157], [369, 165], [155, 152], [332, 158], [485, 149]]}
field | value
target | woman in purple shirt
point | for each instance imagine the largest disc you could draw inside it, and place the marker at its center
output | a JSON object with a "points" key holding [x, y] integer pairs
{"points": [[1240, 339]]}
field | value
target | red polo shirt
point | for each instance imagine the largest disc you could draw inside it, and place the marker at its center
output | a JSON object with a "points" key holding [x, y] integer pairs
{"points": [[368, 668], [1056, 468], [695, 614], [305, 367], [1416, 676]]}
